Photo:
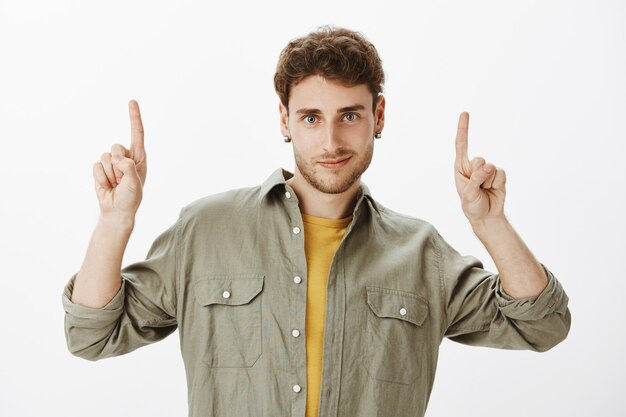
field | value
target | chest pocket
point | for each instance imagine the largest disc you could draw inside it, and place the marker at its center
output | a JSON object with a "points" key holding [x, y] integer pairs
{"points": [[396, 336], [230, 317]]}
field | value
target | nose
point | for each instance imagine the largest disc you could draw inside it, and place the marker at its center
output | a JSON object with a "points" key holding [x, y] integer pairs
{"points": [[332, 139]]}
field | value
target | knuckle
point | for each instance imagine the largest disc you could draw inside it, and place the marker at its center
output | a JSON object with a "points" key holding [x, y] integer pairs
{"points": [[126, 163], [106, 156], [477, 162], [118, 148]]}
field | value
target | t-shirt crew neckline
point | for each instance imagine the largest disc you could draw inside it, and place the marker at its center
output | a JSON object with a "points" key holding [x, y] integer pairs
{"points": [[322, 221]]}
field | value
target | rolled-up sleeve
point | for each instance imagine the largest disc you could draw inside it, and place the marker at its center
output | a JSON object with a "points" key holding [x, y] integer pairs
{"points": [[143, 311], [480, 313], [552, 298]]}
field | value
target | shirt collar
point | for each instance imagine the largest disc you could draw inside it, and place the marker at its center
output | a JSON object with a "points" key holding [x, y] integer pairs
{"points": [[281, 175]]}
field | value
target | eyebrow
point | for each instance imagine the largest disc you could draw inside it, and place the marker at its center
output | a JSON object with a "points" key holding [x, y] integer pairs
{"points": [[341, 110]]}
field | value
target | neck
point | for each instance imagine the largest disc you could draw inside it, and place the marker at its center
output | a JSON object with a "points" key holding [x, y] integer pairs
{"points": [[317, 203]]}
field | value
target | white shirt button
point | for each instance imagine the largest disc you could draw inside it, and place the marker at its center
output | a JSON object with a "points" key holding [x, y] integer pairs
{"points": [[226, 294], [403, 311], [287, 194], [297, 279], [296, 230], [297, 388], [295, 332]]}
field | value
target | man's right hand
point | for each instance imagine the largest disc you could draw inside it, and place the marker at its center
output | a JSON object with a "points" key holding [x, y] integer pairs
{"points": [[120, 174]]}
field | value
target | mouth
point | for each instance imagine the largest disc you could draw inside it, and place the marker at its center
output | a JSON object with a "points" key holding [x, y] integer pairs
{"points": [[335, 164]]}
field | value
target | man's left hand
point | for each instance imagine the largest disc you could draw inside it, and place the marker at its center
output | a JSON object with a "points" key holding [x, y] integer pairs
{"points": [[481, 185]]}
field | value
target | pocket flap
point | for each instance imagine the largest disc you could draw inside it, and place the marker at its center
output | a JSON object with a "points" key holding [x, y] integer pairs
{"points": [[229, 290], [397, 304]]}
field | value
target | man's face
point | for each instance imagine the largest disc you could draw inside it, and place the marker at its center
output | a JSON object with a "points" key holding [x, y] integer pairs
{"points": [[329, 122]]}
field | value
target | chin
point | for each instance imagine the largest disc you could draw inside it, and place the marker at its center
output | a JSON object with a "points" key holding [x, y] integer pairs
{"points": [[333, 187]]}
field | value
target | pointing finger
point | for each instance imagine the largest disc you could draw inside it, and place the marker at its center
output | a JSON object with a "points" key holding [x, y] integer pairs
{"points": [[136, 126], [461, 137]]}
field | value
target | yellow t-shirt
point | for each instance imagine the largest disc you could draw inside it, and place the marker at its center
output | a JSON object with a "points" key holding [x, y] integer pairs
{"points": [[321, 239]]}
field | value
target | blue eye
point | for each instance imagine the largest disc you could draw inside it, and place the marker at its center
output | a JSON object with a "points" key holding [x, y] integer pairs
{"points": [[309, 117], [352, 114]]}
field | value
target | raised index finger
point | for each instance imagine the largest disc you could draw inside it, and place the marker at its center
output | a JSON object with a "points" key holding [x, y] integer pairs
{"points": [[461, 137], [136, 126]]}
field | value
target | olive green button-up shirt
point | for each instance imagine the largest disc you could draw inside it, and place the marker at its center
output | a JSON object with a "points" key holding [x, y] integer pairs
{"points": [[231, 275]]}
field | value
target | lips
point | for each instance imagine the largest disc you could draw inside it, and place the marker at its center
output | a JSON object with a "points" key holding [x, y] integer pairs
{"points": [[337, 164], [333, 162]]}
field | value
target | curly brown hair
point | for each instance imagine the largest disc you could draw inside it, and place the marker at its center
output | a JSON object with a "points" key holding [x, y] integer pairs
{"points": [[335, 53]]}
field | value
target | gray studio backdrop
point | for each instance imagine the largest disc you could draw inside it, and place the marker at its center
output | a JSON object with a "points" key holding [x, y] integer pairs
{"points": [[543, 82]]}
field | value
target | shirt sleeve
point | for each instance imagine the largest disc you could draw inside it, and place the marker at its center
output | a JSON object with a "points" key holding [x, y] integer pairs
{"points": [[143, 311], [478, 311]]}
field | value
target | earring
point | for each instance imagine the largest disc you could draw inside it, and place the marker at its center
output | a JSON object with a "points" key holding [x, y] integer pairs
{"points": [[378, 135], [287, 139]]}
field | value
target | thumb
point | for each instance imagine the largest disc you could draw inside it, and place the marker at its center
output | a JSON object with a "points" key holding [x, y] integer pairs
{"points": [[128, 168], [476, 179]]}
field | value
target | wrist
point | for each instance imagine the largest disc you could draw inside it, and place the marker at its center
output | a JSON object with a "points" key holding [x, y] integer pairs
{"points": [[117, 221], [489, 225]]}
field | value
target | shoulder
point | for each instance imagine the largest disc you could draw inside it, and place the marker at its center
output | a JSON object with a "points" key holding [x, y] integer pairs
{"points": [[405, 224], [401, 219], [234, 202]]}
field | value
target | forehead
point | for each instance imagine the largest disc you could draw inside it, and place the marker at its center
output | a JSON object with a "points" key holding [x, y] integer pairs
{"points": [[318, 92]]}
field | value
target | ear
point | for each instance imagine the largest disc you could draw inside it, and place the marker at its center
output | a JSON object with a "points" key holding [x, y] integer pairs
{"points": [[284, 119], [379, 113]]}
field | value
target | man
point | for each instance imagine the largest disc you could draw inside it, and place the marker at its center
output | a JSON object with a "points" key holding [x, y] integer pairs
{"points": [[305, 296]]}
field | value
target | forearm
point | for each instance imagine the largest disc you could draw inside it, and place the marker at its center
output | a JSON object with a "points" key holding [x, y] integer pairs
{"points": [[99, 277], [520, 273]]}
